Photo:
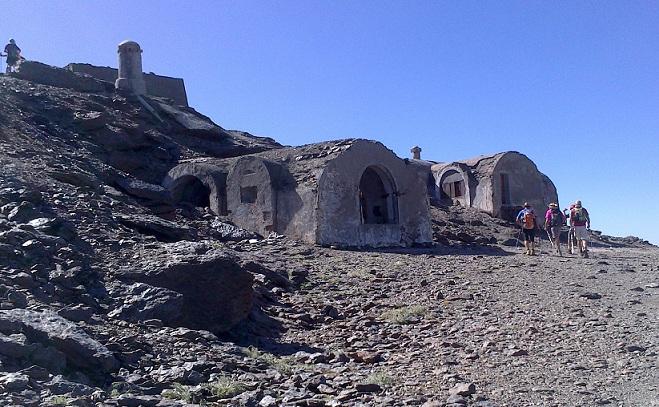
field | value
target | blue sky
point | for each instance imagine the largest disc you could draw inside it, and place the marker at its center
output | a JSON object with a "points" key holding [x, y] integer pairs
{"points": [[572, 84]]}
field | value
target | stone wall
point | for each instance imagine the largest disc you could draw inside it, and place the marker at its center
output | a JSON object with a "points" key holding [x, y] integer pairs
{"points": [[156, 85], [339, 218], [50, 75]]}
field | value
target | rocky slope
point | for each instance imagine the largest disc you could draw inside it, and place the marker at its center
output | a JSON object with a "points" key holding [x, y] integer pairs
{"points": [[104, 303]]}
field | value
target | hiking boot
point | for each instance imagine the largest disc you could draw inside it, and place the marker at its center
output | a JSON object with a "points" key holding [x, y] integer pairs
{"points": [[585, 254]]}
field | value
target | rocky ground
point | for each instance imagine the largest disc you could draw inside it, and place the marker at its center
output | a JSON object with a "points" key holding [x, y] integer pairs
{"points": [[104, 303]]}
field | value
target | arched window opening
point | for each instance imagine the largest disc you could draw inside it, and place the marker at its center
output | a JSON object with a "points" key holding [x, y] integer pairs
{"points": [[453, 185], [377, 198]]}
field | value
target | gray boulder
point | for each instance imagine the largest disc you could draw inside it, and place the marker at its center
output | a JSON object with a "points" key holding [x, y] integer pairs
{"points": [[142, 302], [217, 292], [50, 329], [144, 190], [161, 229]]}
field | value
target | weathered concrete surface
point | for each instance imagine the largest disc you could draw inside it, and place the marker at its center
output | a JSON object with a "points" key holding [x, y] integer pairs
{"points": [[252, 194], [130, 75], [338, 210], [484, 178], [313, 193], [156, 85], [184, 179]]}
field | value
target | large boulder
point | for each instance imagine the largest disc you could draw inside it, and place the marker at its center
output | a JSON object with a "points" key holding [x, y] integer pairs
{"points": [[51, 330], [217, 292], [140, 302]]}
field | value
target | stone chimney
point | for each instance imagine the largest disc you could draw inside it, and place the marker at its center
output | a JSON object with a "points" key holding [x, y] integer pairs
{"points": [[130, 75], [416, 152]]}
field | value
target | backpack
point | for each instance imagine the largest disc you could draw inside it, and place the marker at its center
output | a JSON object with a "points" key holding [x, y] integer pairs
{"points": [[578, 215], [556, 218], [528, 220]]}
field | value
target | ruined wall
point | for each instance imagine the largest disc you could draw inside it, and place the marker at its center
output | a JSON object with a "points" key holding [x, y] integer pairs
{"points": [[525, 184], [252, 194], [50, 75], [212, 177], [156, 85], [338, 213], [447, 173]]}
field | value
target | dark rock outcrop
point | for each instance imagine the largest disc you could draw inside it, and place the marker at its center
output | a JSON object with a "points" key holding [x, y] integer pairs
{"points": [[50, 330], [217, 293]]}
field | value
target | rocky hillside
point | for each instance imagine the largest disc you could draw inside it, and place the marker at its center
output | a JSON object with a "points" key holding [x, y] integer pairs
{"points": [[112, 295]]}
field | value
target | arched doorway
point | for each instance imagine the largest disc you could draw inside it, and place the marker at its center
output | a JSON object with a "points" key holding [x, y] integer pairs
{"points": [[190, 190], [452, 186], [377, 197]]}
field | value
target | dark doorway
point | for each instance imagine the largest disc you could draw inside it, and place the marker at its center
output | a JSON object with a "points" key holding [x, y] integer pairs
{"points": [[505, 189], [377, 197], [192, 191]]}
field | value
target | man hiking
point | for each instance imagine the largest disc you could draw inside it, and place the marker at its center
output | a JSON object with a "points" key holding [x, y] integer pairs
{"points": [[580, 220], [527, 220], [13, 54], [554, 221]]}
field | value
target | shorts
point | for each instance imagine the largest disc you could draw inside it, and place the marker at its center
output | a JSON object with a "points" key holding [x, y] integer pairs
{"points": [[555, 233], [581, 233], [529, 235]]}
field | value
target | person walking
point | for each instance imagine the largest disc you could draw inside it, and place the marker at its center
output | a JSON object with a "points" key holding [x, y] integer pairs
{"points": [[554, 221], [13, 54], [580, 220], [527, 220]]}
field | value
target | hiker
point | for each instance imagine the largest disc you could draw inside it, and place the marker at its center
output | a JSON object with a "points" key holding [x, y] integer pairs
{"points": [[13, 54], [580, 220], [571, 240], [527, 220], [554, 221]]}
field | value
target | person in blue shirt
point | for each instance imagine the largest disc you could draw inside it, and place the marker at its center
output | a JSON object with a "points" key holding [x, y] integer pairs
{"points": [[527, 220]]}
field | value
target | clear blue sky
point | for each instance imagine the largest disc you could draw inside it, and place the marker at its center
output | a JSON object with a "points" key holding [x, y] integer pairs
{"points": [[572, 84]]}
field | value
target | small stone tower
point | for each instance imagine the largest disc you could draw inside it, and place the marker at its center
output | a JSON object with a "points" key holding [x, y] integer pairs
{"points": [[130, 75], [416, 153]]}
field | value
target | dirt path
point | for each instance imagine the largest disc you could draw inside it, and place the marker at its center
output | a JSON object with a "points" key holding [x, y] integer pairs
{"points": [[525, 330]]}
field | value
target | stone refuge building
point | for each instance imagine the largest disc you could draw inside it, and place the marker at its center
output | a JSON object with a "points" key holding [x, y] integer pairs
{"points": [[156, 85], [347, 193], [497, 184]]}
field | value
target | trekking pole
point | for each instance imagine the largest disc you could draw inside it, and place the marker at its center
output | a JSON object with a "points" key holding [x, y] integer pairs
{"points": [[518, 236]]}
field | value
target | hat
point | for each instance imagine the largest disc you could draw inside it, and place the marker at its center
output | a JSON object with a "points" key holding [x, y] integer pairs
{"points": [[577, 204], [12, 41], [553, 205], [527, 205]]}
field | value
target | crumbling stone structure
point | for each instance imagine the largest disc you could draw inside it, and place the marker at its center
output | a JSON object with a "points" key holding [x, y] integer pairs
{"points": [[498, 184], [130, 68], [156, 85], [347, 193]]}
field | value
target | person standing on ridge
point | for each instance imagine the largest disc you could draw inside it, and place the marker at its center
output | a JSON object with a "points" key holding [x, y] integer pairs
{"points": [[554, 221], [580, 220], [13, 54], [527, 220]]}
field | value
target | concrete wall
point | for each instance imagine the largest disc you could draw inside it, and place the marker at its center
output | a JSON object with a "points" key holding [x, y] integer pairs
{"points": [[526, 184], [338, 206], [156, 85], [443, 173], [252, 194]]}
